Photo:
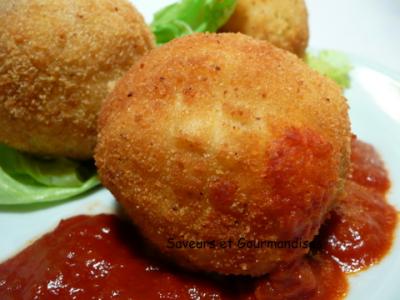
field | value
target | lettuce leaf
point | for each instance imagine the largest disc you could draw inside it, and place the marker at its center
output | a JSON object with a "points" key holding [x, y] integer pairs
{"points": [[189, 16], [332, 64], [25, 179]]}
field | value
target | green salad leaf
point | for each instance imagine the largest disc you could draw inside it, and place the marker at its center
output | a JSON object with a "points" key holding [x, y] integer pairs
{"points": [[25, 179], [189, 16], [332, 64]]}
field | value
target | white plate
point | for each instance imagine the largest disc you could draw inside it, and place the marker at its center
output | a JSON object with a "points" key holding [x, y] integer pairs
{"points": [[374, 98]]}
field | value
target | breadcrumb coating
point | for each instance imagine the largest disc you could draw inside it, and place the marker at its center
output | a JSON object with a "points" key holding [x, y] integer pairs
{"points": [[58, 60], [283, 23], [221, 136]]}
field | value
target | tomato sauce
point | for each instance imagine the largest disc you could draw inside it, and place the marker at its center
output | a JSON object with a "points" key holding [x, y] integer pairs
{"points": [[361, 227], [102, 257]]}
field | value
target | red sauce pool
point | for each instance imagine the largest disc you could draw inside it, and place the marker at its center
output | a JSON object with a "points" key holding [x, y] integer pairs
{"points": [[360, 230], [99, 257]]}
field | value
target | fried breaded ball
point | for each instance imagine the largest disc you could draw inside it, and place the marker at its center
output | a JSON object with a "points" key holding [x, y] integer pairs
{"points": [[58, 60], [283, 23], [218, 137]]}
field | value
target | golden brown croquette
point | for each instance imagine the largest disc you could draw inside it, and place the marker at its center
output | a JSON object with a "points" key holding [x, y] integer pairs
{"points": [[218, 137], [283, 23], [58, 60]]}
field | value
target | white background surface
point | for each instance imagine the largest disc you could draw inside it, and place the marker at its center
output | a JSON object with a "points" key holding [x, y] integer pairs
{"points": [[367, 28]]}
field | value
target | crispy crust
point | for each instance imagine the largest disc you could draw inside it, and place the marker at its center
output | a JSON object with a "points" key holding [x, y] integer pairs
{"points": [[283, 23], [58, 60], [218, 136]]}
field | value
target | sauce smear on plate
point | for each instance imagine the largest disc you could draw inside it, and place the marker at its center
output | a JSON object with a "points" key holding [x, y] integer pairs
{"points": [[101, 257]]}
